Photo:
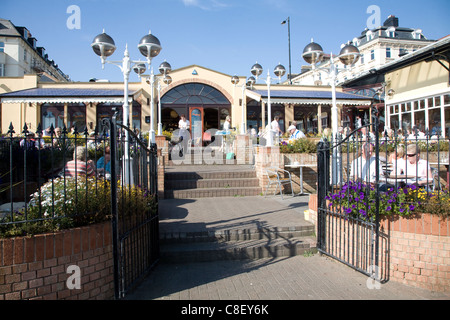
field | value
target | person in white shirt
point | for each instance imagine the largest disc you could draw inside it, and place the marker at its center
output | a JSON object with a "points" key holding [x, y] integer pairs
{"points": [[227, 124], [184, 127], [414, 166], [295, 134], [275, 126], [364, 167], [367, 135], [183, 124]]}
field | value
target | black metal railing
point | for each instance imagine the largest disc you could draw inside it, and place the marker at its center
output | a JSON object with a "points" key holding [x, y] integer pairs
{"points": [[70, 179], [399, 175]]}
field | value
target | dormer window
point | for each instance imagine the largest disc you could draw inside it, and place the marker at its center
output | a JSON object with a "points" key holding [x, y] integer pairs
{"points": [[390, 32], [369, 35], [417, 34]]}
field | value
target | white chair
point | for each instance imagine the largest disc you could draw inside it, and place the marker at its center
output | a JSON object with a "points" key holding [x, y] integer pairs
{"points": [[274, 177], [435, 183]]}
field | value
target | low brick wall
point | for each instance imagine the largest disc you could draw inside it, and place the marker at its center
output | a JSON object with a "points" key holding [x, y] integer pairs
{"points": [[418, 247], [36, 267], [419, 250]]}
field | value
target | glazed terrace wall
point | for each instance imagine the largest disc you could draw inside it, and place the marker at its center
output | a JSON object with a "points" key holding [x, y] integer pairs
{"points": [[418, 248], [36, 267]]}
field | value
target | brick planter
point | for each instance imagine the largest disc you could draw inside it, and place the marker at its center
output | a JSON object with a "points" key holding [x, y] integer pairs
{"points": [[36, 267], [418, 246]]}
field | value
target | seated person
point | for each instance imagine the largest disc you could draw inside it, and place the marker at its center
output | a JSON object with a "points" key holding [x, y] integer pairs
{"points": [[364, 168], [397, 156], [295, 134], [104, 163], [29, 142], [414, 166], [79, 165]]}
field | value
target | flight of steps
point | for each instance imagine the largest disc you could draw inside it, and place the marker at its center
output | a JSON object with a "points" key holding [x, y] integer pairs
{"points": [[190, 182], [237, 244]]}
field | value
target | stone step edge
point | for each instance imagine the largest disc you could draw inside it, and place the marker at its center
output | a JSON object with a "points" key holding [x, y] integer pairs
{"points": [[213, 183], [213, 179], [210, 175], [237, 190], [236, 234], [239, 250]]}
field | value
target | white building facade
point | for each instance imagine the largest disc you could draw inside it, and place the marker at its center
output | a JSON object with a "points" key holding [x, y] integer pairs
{"points": [[377, 47], [20, 55]]}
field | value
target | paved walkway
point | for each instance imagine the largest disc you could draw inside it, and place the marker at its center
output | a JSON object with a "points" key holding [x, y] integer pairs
{"points": [[313, 277]]}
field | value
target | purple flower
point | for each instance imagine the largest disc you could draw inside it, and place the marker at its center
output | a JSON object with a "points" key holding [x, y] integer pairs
{"points": [[389, 208]]}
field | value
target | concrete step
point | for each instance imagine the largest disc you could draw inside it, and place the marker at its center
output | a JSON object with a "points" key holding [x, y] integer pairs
{"points": [[237, 250], [211, 183], [237, 234], [218, 174], [212, 192]]}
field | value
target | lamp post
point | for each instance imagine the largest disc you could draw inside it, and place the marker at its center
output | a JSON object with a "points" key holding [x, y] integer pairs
{"points": [[235, 80], [279, 71], [149, 46], [164, 68], [288, 20], [349, 55]]}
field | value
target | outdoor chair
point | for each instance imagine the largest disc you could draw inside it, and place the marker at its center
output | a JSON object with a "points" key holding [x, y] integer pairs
{"points": [[274, 176]]}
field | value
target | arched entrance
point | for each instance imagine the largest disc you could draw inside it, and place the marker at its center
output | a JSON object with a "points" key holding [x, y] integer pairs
{"points": [[207, 104]]}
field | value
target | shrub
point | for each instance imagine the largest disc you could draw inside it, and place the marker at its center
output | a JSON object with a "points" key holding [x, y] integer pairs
{"points": [[357, 200], [304, 145], [74, 202]]}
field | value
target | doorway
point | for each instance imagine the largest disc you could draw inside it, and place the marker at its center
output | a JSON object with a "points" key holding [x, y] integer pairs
{"points": [[196, 123]]}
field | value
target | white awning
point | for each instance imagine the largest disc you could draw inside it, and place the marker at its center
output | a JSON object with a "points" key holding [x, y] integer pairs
{"points": [[64, 100], [316, 102]]}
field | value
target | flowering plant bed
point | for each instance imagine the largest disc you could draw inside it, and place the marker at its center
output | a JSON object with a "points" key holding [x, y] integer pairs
{"points": [[66, 203], [358, 200]]}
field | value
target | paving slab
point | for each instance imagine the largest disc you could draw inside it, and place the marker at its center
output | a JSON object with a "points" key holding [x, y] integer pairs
{"points": [[304, 277]]}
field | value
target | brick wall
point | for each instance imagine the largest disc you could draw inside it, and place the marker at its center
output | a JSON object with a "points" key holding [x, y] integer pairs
{"points": [[418, 246], [36, 267], [419, 251]]}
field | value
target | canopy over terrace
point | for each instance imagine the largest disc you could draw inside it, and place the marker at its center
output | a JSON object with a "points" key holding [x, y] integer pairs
{"points": [[306, 107], [79, 107]]}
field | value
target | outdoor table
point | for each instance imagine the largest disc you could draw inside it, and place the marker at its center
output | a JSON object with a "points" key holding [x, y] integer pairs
{"points": [[301, 166], [224, 135], [401, 178]]}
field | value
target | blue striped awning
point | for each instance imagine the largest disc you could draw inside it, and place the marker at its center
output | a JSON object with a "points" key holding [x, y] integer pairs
{"points": [[65, 95]]}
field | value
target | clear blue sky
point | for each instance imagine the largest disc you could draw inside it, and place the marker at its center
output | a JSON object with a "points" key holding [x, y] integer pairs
{"points": [[225, 35]]}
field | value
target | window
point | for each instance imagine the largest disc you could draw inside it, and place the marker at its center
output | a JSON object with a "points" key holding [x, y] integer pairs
{"points": [[388, 52], [25, 55], [2, 47], [2, 70], [194, 93], [372, 55], [362, 58], [76, 116], [52, 114]]}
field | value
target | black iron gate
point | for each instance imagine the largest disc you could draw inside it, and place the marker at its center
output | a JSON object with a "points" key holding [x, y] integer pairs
{"points": [[348, 206], [134, 199]]}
